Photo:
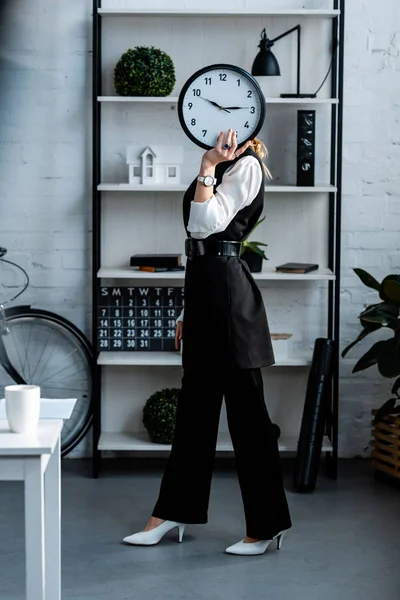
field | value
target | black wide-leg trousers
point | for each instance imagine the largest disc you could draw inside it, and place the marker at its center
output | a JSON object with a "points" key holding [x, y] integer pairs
{"points": [[185, 487]]}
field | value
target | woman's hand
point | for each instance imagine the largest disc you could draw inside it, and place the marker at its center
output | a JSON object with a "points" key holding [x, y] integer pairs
{"points": [[178, 334], [221, 154]]}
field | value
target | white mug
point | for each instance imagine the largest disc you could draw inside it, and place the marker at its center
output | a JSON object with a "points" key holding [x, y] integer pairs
{"points": [[22, 407]]}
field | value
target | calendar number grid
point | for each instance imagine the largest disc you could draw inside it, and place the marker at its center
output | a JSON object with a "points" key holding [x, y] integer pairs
{"points": [[138, 318]]}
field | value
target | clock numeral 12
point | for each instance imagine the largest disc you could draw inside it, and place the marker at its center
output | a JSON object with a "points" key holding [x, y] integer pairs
{"points": [[222, 76]]}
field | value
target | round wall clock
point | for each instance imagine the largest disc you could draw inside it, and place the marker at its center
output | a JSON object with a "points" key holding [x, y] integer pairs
{"points": [[218, 97]]}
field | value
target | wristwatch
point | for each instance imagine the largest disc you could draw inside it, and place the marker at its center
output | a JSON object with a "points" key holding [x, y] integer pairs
{"points": [[207, 180]]}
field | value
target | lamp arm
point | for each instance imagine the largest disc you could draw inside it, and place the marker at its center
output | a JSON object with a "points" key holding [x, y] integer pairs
{"points": [[298, 29]]}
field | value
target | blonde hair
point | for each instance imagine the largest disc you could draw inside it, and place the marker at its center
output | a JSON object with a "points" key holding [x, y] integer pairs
{"points": [[261, 150]]}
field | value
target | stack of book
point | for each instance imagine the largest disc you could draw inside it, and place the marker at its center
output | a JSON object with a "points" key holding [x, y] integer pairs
{"points": [[155, 263], [293, 267]]}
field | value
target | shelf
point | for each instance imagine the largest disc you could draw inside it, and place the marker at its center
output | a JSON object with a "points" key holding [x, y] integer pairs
{"points": [[140, 441], [171, 359], [266, 275], [174, 100], [159, 12], [182, 187]]}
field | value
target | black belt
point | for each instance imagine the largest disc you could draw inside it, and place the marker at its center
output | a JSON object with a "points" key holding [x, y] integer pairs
{"points": [[195, 247]]}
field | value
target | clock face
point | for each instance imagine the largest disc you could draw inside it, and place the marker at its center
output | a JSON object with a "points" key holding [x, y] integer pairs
{"points": [[219, 97]]}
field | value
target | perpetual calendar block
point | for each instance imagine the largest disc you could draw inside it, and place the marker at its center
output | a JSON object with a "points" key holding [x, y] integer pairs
{"points": [[138, 318]]}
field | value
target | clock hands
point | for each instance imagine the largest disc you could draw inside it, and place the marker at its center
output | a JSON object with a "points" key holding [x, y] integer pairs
{"points": [[237, 107], [215, 104]]}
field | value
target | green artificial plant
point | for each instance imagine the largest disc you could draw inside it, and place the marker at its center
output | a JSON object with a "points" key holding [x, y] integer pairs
{"points": [[159, 415], [385, 354], [254, 246], [144, 71]]}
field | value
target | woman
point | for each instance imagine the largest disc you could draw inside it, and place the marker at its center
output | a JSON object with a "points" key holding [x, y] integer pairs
{"points": [[226, 341]]}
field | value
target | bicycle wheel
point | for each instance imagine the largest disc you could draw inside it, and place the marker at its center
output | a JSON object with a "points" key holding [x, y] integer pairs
{"points": [[49, 351]]}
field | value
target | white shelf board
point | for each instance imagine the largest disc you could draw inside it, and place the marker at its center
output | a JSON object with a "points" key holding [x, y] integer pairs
{"points": [[182, 187], [140, 441], [174, 100], [190, 12], [265, 275], [171, 359]]}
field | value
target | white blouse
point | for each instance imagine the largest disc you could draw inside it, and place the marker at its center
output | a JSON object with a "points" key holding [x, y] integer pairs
{"points": [[239, 186]]}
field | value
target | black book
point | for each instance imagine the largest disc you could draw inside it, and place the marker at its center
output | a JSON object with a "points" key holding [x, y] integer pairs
{"points": [[293, 267], [156, 260]]}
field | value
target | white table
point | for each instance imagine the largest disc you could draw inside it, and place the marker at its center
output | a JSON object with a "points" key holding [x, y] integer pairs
{"points": [[35, 459]]}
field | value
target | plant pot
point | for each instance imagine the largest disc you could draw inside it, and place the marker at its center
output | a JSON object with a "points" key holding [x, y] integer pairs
{"points": [[254, 260], [386, 445]]}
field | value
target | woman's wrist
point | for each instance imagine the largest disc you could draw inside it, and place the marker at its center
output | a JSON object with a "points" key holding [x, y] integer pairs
{"points": [[207, 168]]}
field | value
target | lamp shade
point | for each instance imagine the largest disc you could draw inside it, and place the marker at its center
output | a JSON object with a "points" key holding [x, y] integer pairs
{"points": [[265, 64]]}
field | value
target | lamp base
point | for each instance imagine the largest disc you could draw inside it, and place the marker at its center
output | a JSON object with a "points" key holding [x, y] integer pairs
{"points": [[298, 95]]}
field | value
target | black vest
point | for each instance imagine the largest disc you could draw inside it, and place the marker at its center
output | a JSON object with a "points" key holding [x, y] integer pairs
{"points": [[245, 219], [225, 322]]}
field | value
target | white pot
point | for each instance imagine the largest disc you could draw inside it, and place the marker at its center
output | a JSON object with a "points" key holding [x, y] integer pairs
{"points": [[22, 407]]}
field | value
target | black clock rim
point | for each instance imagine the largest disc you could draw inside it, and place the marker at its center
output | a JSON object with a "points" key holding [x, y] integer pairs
{"points": [[228, 67]]}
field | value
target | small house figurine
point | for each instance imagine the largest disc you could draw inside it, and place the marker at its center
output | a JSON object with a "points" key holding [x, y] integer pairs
{"points": [[155, 165]]}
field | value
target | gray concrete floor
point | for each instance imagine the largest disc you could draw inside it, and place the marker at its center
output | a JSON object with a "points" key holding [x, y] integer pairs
{"points": [[344, 543]]}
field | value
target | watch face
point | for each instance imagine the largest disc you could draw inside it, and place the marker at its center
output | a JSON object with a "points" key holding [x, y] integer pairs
{"points": [[208, 180], [219, 97]]}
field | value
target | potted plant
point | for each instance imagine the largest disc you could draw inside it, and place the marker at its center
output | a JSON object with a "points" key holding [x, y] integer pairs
{"points": [[252, 252], [385, 354], [144, 71], [159, 415]]}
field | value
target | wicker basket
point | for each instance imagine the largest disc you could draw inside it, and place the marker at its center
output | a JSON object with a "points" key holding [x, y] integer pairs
{"points": [[386, 445]]}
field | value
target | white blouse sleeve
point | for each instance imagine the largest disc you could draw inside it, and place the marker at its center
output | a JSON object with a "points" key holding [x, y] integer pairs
{"points": [[239, 186], [180, 318]]}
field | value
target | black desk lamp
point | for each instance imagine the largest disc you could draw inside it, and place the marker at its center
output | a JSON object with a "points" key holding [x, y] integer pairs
{"points": [[265, 63]]}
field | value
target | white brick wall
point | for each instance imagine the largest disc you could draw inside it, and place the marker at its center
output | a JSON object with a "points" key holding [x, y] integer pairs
{"points": [[45, 103]]}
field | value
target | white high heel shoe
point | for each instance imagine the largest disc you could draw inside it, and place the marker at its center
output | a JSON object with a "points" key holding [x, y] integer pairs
{"points": [[252, 548], [152, 537]]}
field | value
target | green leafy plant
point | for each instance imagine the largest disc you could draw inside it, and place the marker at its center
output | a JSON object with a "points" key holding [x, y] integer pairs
{"points": [[159, 415], [254, 246], [385, 354], [144, 71]]}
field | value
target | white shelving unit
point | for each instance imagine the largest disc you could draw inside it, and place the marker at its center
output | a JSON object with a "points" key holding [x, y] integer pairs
{"points": [[128, 378], [267, 274], [189, 12], [140, 442], [174, 99], [270, 189]]}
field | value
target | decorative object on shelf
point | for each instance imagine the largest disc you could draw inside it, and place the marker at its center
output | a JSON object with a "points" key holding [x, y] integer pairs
{"points": [[251, 251], [138, 318], [293, 267], [266, 64], [156, 260], [218, 97], [159, 415], [306, 148], [281, 345], [385, 354], [155, 165], [144, 71], [314, 418]]}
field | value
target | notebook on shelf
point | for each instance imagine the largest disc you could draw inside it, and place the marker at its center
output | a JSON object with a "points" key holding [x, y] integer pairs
{"points": [[293, 267]]}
